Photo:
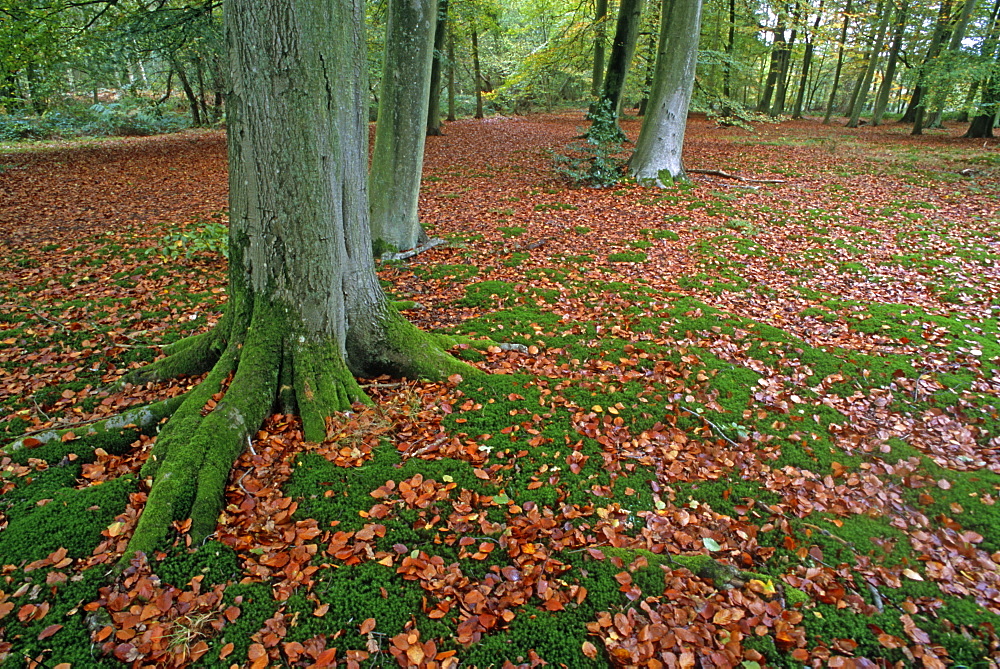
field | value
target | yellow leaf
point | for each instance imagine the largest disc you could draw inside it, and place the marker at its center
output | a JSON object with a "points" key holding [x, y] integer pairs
{"points": [[912, 575], [596, 408]]}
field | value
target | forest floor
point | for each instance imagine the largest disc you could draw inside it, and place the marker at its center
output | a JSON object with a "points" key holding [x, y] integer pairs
{"points": [[757, 424]]}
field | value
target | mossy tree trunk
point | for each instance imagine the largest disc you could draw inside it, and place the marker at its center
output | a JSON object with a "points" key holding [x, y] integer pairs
{"points": [[306, 312], [400, 131], [658, 149]]}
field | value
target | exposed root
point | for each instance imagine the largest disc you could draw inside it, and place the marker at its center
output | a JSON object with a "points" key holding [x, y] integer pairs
{"points": [[142, 418], [193, 355], [323, 385]]}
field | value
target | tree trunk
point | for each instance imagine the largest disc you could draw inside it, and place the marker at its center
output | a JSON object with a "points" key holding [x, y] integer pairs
{"points": [[774, 71], [647, 84], [983, 122], [622, 50], [915, 111], [840, 63], [884, 12], [434, 104], [657, 156], [477, 74], [305, 307], [600, 38], [806, 63], [727, 70], [954, 47], [188, 92], [401, 129], [451, 76], [882, 99]]}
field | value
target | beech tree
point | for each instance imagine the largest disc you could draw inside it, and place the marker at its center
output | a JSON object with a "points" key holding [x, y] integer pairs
{"points": [[657, 156], [402, 123], [305, 312]]}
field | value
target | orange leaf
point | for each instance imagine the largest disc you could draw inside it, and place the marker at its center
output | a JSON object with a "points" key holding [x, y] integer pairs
{"points": [[367, 626], [589, 649], [49, 631]]}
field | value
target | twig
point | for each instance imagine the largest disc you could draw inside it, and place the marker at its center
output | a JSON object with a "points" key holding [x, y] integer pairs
{"points": [[382, 385], [726, 175], [437, 241], [713, 425]]}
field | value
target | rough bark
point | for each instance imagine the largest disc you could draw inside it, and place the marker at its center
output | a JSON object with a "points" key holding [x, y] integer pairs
{"points": [[840, 62], [657, 156], [899, 31], [306, 311], [434, 103], [401, 128]]}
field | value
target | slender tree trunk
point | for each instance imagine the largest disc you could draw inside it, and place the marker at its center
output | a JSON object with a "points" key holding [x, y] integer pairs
{"points": [[600, 39], [657, 156], [806, 63], [985, 118], [202, 96], [727, 70], [622, 50], [774, 71], [434, 104], [915, 111], [402, 123], [647, 84], [477, 74], [954, 46], [305, 308], [189, 92], [840, 63], [884, 12], [899, 31], [451, 76]]}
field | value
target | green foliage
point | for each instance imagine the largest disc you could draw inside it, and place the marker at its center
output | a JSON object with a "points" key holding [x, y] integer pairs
{"points": [[126, 118], [596, 161], [210, 237]]}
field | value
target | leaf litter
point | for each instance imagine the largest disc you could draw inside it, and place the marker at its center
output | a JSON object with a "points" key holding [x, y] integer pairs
{"points": [[755, 426]]}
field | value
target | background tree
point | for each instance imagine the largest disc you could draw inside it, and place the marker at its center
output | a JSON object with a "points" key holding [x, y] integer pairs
{"points": [[398, 155], [657, 156]]}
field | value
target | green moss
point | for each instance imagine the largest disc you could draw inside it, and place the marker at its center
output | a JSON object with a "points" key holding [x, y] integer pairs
{"points": [[214, 561], [73, 519], [488, 294]]}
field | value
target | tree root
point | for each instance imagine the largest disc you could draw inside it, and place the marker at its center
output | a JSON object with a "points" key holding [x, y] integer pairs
{"points": [[142, 418], [424, 246], [726, 175], [193, 355]]}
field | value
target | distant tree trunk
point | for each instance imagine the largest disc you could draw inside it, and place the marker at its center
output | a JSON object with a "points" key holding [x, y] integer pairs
{"points": [[915, 111], [202, 97], [882, 99], [657, 154], [727, 70], [189, 92], [954, 46], [170, 83], [622, 50], [600, 38], [778, 54], [840, 63], [647, 83], [451, 76], [401, 127], [985, 118], [477, 73], [806, 63], [884, 12], [434, 104]]}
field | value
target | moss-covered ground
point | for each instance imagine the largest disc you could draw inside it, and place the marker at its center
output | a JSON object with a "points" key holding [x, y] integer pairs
{"points": [[754, 426]]}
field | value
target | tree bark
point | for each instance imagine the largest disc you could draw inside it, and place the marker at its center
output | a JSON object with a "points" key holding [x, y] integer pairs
{"points": [[434, 103], [899, 31], [600, 37], [401, 128], [657, 156], [840, 63], [305, 307]]}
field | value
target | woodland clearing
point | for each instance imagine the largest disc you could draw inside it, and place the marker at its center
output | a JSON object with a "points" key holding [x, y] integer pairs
{"points": [[757, 424]]}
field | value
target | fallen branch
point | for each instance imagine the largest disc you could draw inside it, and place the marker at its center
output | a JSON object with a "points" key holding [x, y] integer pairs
{"points": [[402, 255], [726, 175]]}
